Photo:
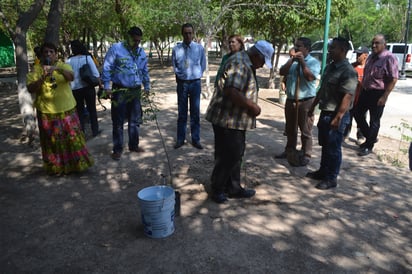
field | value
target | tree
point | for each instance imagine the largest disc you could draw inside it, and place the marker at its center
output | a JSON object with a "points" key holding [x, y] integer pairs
{"points": [[18, 33]]}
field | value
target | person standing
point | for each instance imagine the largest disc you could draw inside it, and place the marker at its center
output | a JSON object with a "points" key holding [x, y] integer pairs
{"points": [[334, 97], [125, 65], [189, 63], [380, 76], [361, 55], [82, 91], [235, 44], [233, 110], [301, 72], [62, 141]]}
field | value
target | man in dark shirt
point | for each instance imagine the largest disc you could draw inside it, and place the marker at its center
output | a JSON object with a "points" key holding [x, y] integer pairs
{"points": [[334, 97]]}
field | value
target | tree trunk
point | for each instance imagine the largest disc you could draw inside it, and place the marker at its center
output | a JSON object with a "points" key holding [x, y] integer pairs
{"points": [[53, 22], [18, 35]]}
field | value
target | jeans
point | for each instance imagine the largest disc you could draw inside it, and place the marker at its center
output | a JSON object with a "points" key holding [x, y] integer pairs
{"points": [[331, 142], [87, 95], [126, 105], [188, 90], [229, 150], [368, 101]]}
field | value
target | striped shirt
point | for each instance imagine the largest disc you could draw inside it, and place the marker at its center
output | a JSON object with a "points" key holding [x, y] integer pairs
{"points": [[238, 74]]}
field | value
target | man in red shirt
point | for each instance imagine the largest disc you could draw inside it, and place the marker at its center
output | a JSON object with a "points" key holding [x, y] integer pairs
{"points": [[380, 76]]}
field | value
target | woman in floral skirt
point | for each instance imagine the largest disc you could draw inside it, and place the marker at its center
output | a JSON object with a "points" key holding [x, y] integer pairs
{"points": [[62, 141]]}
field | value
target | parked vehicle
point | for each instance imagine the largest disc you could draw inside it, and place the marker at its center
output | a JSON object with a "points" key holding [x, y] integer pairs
{"points": [[317, 51], [398, 49]]}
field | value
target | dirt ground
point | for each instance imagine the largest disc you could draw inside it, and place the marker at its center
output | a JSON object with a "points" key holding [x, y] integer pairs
{"points": [[90, 222]]}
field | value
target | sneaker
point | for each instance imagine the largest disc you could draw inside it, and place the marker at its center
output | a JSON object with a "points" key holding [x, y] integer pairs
{"points": [[116, 156]]}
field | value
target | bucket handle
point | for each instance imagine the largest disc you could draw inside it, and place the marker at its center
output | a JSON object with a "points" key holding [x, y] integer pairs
{"points": [[164, 184]]}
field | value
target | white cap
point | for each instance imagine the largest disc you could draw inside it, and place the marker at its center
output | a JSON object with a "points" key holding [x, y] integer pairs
{"points": [[266, 49]]}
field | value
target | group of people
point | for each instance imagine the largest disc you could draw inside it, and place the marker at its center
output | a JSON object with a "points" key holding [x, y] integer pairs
{"points": [[346, 91], [233, 108]]}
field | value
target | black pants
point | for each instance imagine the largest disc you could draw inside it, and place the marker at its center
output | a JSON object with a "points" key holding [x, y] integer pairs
{"points": [[229, 150], [368, 101], [87, 95]]}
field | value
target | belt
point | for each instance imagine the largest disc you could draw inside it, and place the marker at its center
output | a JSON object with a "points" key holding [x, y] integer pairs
{"points": [[374, 90], [188, 81], [119, 86], [301, 100], [328, 113]]}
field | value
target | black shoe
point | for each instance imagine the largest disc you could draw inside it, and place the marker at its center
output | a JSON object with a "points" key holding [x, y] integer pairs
{"points": [[178, 144], [197, 145], [219, 198], [365, 151], [116, 156], [283, 155], [243, 193], [304, 161], [97, 133], [137, 149], [326, 184], [316, 175], [363, 145]]}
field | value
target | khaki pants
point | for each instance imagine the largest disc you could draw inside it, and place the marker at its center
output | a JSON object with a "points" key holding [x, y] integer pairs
{"points": [[305, 125]]}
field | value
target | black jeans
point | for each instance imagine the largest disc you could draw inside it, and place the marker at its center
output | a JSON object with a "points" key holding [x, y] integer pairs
{"points": [[368, 101], [229, 150], [87, 95]]}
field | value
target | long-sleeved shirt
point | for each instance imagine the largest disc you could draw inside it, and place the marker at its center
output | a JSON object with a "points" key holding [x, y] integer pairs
{"points": [[189, 61], [125, 67]]}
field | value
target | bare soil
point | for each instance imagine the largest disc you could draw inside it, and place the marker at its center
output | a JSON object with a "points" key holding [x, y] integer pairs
{"points": [[90, 222]]}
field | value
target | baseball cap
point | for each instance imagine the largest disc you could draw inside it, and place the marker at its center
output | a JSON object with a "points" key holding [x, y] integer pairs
{"points": [[362, 49], [266, 49]]}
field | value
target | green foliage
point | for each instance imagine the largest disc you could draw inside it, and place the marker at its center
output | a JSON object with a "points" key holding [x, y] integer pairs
{"points": [[405, 130]]}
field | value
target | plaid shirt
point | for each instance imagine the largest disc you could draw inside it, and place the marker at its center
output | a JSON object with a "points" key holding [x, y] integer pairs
{"points": [[238, 74]]}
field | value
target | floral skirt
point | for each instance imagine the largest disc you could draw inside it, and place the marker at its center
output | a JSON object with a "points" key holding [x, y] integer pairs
{"points": [[63, 143]]}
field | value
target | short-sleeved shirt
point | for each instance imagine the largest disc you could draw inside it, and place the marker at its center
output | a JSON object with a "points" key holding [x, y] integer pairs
{"points": [[307, 88], [238, 74], [189, 61], [380, 70], [76, 62], [56, 95], [338, 79]]}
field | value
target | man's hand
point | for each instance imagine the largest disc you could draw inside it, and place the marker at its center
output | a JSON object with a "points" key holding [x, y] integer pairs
{"points": [[254, 110]]}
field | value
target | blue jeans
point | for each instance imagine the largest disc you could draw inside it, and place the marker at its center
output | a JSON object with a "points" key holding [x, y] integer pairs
{"points": [[331, 142], [126, 105], [188, 90]]}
